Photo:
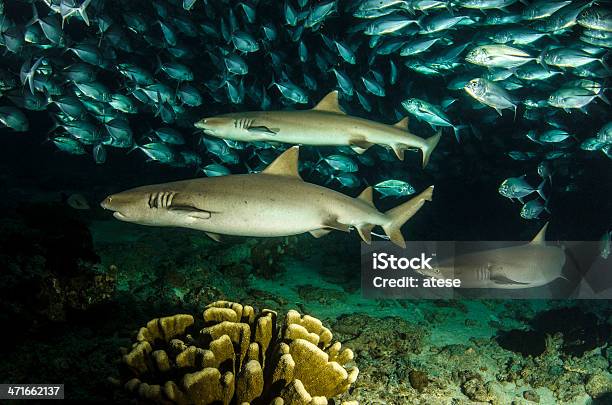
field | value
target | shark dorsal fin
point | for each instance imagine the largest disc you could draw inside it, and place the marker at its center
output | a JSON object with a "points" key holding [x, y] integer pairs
{"points": [[540, 238], [366, 196], [286, 164], [329, 103], [402, 124]]}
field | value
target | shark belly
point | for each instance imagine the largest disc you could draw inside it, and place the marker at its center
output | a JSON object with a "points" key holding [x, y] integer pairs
{"points": [[318, 128], [510, 268], [267, 205], [312, 128]]}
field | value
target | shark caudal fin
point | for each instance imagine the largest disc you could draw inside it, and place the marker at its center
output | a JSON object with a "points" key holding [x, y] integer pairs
{"points": [[428, 147], [402, 213], [431, 144]]}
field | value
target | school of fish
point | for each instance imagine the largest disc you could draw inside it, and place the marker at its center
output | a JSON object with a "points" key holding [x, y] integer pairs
{"points": [[174, 79]]}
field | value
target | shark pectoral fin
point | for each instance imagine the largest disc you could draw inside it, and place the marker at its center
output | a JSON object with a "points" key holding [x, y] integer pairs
{"points": [[358, 150], [191, 212], [360, 145], [214, 236], [265, 130], [403, 123], [286, 164], [319, 233], [503, 280], [365, 231], [329, 103], [199, 215], [334, 224]]}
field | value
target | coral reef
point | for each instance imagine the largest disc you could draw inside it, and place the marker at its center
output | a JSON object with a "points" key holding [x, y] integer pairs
{"points": [[427, 352], [238, 355], [403, 362], [584, 333]]}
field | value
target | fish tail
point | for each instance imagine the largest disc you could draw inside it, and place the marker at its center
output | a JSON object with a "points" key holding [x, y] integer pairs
{"points": [[83, 11], [540, 191], [546, 206], [603, 62], [457, 130], [430, 145], [399, 215], [35, 17], [602, 95], [273, 83], [540, 59], [419, 21]]}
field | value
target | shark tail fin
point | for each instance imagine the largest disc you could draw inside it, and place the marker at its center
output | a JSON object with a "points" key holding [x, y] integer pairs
{"points": [[402, 213], [430, 145]]}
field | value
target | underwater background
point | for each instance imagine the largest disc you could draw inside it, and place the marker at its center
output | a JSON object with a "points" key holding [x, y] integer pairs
{"points": [[106, 101]]}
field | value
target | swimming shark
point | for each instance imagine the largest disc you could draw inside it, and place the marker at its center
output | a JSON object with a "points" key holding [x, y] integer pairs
{"points": [[324, 125], [274, 202], [525, 266]]}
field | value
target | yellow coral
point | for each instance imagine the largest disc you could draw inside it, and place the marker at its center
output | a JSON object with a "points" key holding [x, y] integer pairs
{"points": [[238, 356]]}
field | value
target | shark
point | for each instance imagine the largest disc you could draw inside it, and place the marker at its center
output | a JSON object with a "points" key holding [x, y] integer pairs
{"points": [[324, 125], [273, 202], [525, 266]]}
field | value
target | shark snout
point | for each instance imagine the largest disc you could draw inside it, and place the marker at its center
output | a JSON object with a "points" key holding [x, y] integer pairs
{"points": [[107, 203], [200, 124], [206, 126]]}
